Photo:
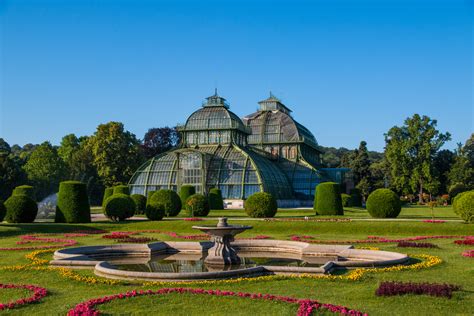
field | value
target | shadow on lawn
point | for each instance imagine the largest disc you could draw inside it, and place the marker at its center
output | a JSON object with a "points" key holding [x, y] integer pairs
{"points": [[21, 229]]}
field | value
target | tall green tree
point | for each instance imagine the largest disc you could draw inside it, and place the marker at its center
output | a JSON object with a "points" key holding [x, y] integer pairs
{"points": [[11, 173], [462, 170], [116, 153], [410, 151], [45, 170], [69, 145]]}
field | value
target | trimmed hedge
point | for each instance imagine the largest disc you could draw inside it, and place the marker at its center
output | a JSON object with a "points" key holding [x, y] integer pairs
{"points": [[108, 192], [73, 204], [20, 209], [140, 203], [356, 197], [328, 199], [185, 192], [215, 199], [3, 211], [383, 203], [161, 203], [119, 206], [346, 200], [121, 189], [456, 199], [261, 205], [197, 205], [27, 190], [465, 206], [148, 196]]}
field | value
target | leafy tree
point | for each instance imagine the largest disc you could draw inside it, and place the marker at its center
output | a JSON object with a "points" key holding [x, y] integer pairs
{"points": [[462, 170], [116, 153], [69, 145], [159, 140], [11, 173], [410, 152], [45, 169], [379, 174]]}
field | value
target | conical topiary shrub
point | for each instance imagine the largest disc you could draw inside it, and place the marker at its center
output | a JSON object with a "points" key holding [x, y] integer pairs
{"points": [[27, 190], [185, 192], [121, 189], [3, 211], [215, 199], [356, 198], [73, 203], [107, 193], [140, 203], [20, 209], [328, 199]]}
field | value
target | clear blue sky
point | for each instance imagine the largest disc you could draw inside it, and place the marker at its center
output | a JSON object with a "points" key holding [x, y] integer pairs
{"points": [[349, 70]]}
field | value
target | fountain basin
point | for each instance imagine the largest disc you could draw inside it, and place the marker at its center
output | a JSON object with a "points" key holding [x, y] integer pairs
{"points": [[106, 260]]}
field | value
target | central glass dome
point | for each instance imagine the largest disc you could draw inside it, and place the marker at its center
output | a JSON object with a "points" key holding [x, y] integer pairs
{"points": [[213, 153]]}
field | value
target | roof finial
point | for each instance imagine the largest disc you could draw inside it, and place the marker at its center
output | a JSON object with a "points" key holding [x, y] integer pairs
{"points": [[215, 91]]}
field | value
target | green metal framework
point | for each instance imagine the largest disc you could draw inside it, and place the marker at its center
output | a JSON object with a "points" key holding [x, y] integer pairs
{"points": [[268, 151], [213, 154]]}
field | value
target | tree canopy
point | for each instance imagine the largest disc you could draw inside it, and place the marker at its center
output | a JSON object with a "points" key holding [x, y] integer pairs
{"points": [[410, 151]]}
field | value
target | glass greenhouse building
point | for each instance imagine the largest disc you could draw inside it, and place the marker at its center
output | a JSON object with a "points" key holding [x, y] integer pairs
{"points": [[266, 151]]}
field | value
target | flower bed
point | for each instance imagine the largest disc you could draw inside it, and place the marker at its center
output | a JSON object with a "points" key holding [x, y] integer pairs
{"points": [[306, 306], [308, 219], [468, 241], [38, 294], [401, 288], [468, 253], [192, 219], [434, 221], [410, 244]]}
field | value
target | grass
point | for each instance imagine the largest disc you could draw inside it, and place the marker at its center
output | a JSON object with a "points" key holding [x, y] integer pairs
{"points": [[409, 212], [360, 295]]}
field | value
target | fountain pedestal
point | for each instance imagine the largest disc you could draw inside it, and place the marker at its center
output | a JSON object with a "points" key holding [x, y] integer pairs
{"points": [[222, 253]]}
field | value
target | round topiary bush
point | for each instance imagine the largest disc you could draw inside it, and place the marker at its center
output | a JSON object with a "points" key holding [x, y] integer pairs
{"points": [[185, 192], [108, 192], [3, 211], [346, 200], [140, 203], [215, 199], [73, 204], [118, 207], [456, 199], [328, 199], [197, 205], [383, 203], [161, 203], [27, 190], [261, 204], [121, 189], [356, 198], [20, 209], [465, 206]]}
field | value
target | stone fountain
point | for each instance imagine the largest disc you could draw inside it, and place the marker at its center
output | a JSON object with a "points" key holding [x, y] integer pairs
{"points": [[222, 253]]}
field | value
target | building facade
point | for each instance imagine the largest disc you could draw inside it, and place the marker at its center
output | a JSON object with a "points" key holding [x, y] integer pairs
{"points": [[266, 151]]}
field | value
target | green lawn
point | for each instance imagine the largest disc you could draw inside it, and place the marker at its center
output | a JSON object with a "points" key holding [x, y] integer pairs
{"points": [[66, 293], [409, 212]]}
